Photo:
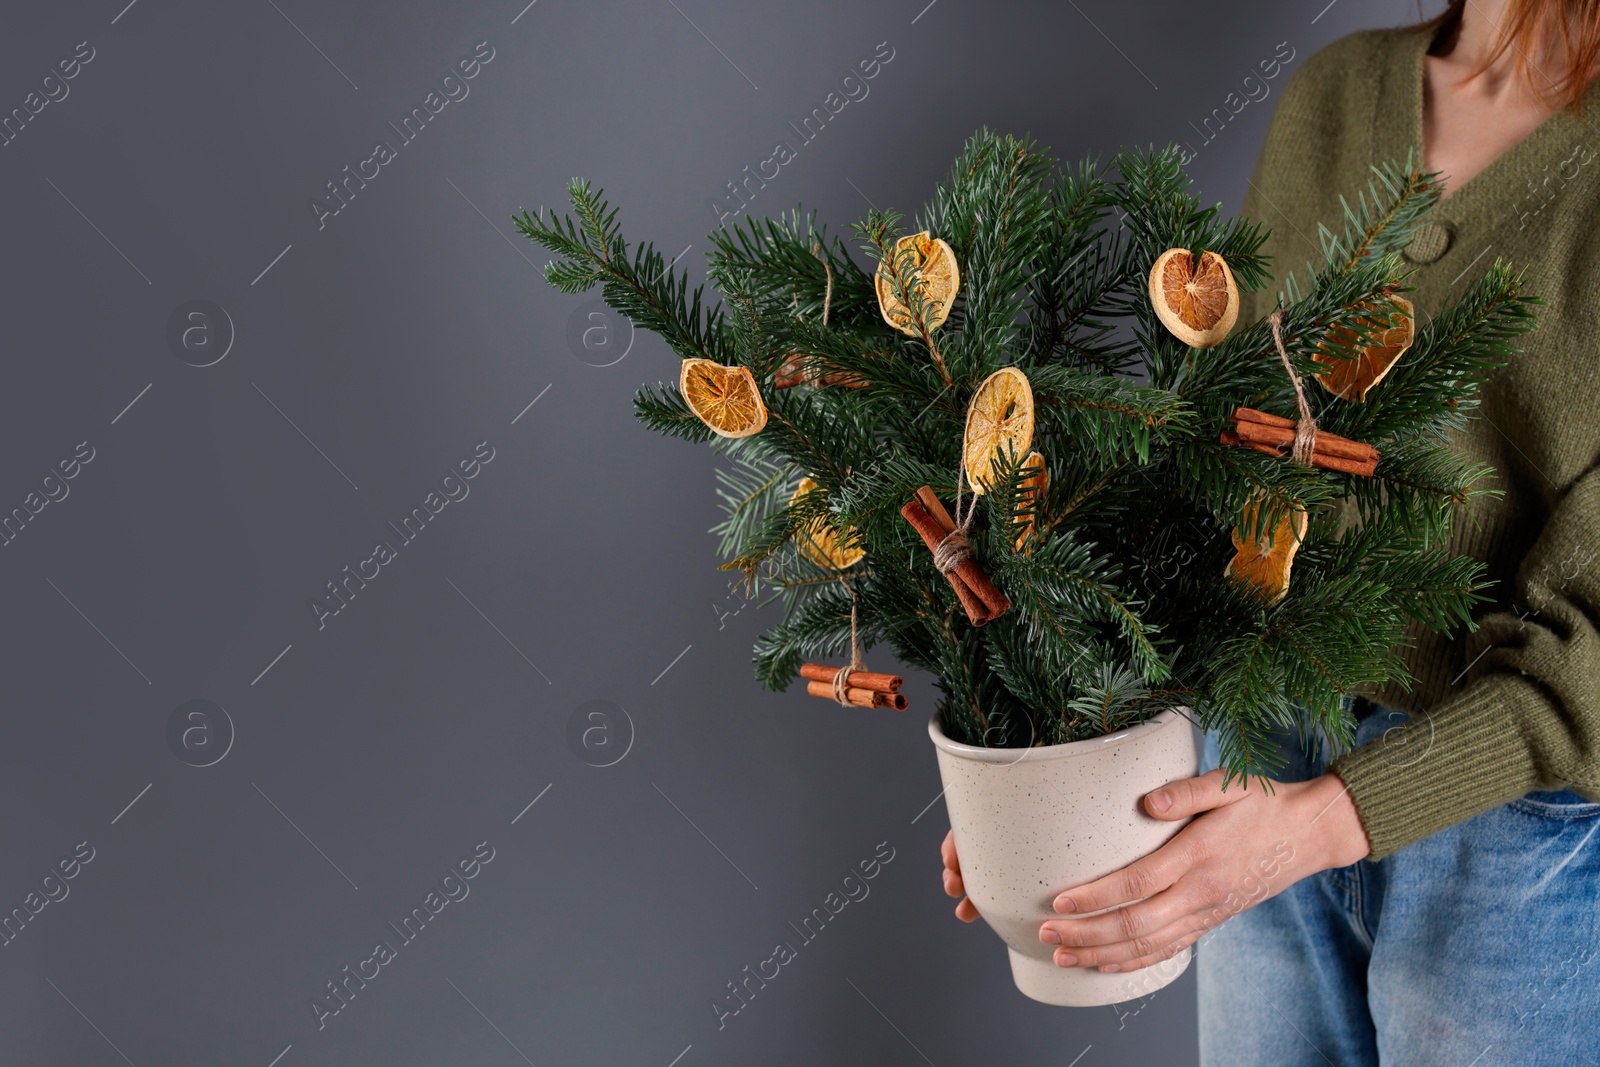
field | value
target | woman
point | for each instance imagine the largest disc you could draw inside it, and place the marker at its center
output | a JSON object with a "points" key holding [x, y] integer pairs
{"points": [[1440, 903]]}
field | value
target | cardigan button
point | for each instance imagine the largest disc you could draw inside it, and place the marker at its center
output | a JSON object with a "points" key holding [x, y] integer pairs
{"points": [[1429, 243]]}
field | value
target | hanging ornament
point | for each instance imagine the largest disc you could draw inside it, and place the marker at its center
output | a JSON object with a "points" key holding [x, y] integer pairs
{"points": [[853, 685], [1263, 562], [842, 379], [724, 398], [791, 372], [1274, 435], [932, 265], [952, 554], [1195, 299], [862, 688], [1035, 480], [1389, 336], [819, 542], [1300, 440], [1000, 417]]}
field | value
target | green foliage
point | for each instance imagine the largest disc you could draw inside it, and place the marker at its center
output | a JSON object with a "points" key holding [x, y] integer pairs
{"points": [[1120, 602]]}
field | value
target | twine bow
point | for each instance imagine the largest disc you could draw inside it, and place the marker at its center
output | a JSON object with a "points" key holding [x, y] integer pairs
{"points": [[1305, 429]]}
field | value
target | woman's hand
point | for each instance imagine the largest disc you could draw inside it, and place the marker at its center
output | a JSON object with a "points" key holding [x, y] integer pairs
{"points": [[1244, 846], [966, 911]]}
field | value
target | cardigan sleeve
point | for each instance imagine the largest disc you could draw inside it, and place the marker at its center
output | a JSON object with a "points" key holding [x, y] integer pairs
{"points": [[1528, 715]]}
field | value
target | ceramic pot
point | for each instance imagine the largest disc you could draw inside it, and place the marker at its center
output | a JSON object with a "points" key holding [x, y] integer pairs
{"points": [[1030, 822]]}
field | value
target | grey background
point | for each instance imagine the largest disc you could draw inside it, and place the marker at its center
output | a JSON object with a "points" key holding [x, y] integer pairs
{"points": [[375, 353]]}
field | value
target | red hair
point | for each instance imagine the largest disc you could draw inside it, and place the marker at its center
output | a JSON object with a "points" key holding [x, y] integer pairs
{"points": [[1566, 30]]}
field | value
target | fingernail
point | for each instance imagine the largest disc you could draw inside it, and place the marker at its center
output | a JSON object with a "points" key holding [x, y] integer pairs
{"points": [[1066, 959], [1065, 904], [1161, 800], [1049, 936], [1112, 968]]}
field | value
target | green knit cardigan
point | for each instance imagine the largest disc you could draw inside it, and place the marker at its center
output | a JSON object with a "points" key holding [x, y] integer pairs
{"points": [[1514, 707]]}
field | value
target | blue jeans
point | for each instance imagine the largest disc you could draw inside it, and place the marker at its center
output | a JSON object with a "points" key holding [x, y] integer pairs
{"points": [[1476, 947]]}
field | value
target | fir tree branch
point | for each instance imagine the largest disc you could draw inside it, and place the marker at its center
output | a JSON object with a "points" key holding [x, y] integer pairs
{"points": [[643, 288]]}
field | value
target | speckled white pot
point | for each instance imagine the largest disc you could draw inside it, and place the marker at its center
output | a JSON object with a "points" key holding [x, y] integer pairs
{"points": [[1031, 822]]}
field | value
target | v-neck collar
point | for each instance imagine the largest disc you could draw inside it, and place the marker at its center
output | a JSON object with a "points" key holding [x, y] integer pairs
{"points": [[1397, 130]]}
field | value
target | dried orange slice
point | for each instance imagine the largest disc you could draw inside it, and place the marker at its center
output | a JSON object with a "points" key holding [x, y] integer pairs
{"points": [[933, 265], [1390, 336], [724, 398], [1000, 416], [1035, 480], [1197, 301], [819, 542], [1266, 566]]}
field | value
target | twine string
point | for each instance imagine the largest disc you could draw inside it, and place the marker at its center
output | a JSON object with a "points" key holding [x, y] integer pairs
{"points": [[955, 549], [1305, 429], [841, 677], [827, 296]]}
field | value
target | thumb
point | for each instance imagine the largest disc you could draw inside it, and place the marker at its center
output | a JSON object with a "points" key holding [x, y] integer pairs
{"points": [[1188, 796]]}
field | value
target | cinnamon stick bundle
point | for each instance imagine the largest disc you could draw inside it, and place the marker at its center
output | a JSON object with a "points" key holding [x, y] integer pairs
{"points": [[857, 697], [841, 378], [1273, 435], [796, 371], [791, 372], [878, 683], [993, 599], [979, 597]]}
